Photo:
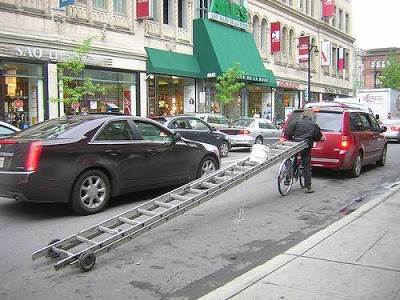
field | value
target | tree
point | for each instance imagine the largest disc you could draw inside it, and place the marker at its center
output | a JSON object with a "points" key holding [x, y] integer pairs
{"points": [[227, 84], [390, 76], [70, 76]]}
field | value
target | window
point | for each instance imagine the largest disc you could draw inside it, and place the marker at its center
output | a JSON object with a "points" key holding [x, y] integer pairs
{"points": [[365, 122], [256, 25], [116, 131], [99, 3], [167, 12], [199, 125], [120, 6], [264, 37], [151, 132], [202, 9], [182, 13], [181, 123]]}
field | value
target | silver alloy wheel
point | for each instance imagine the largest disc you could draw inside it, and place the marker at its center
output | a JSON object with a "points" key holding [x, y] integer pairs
{"points": [[357, 165], [93, 191], [224, 149], [208, 167]]}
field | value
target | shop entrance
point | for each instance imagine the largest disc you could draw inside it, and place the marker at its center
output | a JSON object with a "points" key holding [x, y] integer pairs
{"points": [[21, 90]]}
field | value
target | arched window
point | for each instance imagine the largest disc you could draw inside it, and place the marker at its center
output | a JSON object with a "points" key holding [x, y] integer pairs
{"points": [[264, 34], [284, 41], [256, 30], [292, 41]]}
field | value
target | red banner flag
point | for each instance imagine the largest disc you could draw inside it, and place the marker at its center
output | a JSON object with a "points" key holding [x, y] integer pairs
{"points": [[341, 58], [143, 9], [275, 37], [303, 49], [328, 8]]}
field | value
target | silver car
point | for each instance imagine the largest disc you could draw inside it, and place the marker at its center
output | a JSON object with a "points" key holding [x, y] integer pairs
{"points": [[392, 129], [245, 132]]}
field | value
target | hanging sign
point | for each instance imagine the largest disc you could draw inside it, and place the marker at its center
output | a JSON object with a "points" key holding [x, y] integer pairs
{"points": [[303, 49], [275, 37], [18, 103], [326, 53], [328, 8], [143, 9], [341, 60]]}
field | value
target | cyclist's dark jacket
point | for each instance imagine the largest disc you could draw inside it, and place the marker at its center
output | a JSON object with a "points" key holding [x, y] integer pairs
{"points": [[303, 130]]}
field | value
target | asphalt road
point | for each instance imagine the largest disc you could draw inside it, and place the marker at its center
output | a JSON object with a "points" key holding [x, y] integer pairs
{"points": [[189, 256]]}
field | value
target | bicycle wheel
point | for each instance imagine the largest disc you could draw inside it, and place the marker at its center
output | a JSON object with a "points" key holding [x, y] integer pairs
{"points": [[285, 177], [301, 177]]}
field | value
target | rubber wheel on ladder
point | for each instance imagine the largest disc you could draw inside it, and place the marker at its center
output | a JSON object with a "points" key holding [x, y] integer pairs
{"points": [[50, 252], [285, 177], [86, 261]]}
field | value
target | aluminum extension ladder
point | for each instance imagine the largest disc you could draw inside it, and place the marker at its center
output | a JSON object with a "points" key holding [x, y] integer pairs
{"points": [[81, 250]]}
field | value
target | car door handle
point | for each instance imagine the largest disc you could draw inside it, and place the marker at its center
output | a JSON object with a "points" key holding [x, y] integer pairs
{"points": [[113, 152], [153, 151]]}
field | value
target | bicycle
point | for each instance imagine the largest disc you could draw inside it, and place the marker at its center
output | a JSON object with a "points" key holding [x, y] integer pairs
{"points": [[290, 171]]}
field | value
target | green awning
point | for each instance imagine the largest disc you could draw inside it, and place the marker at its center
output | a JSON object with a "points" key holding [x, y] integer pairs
{"points": [[172, 63], [218, 47]]}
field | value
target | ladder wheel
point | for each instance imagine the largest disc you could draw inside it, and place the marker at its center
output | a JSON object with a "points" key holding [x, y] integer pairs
{"points": [[50, 252], [87, 261]]}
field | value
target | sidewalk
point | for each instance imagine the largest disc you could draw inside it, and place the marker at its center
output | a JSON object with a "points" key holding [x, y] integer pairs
{"points": [[357, 257]]}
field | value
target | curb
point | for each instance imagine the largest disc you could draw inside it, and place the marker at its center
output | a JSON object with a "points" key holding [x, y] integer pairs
{"points": [[242, 282]]}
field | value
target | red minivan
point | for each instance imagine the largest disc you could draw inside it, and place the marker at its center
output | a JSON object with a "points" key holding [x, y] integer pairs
{"points": [[351, 139]]}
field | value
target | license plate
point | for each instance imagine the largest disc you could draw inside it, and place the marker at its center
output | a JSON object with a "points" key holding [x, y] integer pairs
{"points": [[2, 161]]}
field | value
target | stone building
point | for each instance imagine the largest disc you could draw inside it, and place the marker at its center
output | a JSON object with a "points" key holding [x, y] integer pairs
{"points": [[149, 54]]}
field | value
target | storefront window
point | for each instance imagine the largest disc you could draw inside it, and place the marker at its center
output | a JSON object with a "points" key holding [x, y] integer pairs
{"points": [[171, 95], [21, 91], [118, 95]]}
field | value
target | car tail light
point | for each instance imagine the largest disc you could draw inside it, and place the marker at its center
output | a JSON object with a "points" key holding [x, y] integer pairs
{"points": [[345, 142], [7, 142], [395, 128], [32, 160], [244, 131], [282, 138]]}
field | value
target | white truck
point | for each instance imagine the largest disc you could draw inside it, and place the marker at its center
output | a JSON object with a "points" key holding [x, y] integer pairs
{"points": [[383, 102]]}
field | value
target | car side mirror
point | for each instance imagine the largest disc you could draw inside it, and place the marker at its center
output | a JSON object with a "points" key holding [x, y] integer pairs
{"points": [[213, 128], [377, 116], [177, 137], [383, 129]]}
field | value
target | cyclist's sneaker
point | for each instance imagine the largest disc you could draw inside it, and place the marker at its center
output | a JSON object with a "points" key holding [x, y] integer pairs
{"points": [[310, 190]]}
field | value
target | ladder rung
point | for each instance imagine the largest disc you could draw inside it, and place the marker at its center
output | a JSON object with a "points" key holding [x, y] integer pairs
{"points": [[147, 212], [85, 240], [195, 191], [61, 251], [208, 185], [128, 221], [163, 204], [179, 197], [244, 168], [108, 230], [222, 178]]}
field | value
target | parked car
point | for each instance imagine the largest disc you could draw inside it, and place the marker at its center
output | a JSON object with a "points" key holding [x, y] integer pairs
{"points": [[7, 129], [351, 139], [83, 160], [214, 120], [392, 129], [245, 132], [196, 129]]}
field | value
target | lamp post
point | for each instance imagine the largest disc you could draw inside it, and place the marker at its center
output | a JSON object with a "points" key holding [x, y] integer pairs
{"points": [[311, 48]]}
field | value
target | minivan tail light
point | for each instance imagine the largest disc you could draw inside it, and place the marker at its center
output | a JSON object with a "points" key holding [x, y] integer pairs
{"points": [[3, 142], [32, 159], [395, 128], [345, 143]]}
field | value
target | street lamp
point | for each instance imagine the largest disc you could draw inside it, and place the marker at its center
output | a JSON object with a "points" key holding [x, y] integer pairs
{"points": [[311, 48]]}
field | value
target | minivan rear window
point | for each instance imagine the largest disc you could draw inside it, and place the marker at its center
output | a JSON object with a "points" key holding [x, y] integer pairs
{"points": [[327, 121]]}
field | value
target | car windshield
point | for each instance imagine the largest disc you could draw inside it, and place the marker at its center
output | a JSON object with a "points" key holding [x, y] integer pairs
{"points": [[50, 129], [243, 122], [327, 121]]}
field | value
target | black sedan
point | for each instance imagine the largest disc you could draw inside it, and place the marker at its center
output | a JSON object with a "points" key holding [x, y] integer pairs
{"points": [[85, 160], [194, 128]]}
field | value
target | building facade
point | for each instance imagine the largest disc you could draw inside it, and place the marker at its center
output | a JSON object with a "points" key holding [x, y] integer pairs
{"points": [[165, 58]]}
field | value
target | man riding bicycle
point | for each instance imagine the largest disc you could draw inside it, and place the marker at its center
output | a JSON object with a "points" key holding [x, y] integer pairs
{"points": [[305, 129]]}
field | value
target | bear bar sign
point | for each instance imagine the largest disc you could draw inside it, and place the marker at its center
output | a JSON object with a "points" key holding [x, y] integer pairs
{"points": [[64, 3]]}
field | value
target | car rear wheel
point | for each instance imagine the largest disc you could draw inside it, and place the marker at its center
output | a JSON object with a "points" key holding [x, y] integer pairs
{"points": [[90, 193], [207, 165], [355, 171], [224, 149], [259, 140], [381, 162]]}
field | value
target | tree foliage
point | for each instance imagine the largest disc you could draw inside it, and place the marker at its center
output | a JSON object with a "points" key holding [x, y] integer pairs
{"points": [[390, 76], [227, 84], [70, 75]]}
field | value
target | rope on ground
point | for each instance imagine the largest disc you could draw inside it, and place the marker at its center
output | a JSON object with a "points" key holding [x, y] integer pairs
{"points": [[240, 217]]}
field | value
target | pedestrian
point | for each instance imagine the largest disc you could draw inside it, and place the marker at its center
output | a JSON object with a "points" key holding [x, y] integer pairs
{"points": [[305, 129]]}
